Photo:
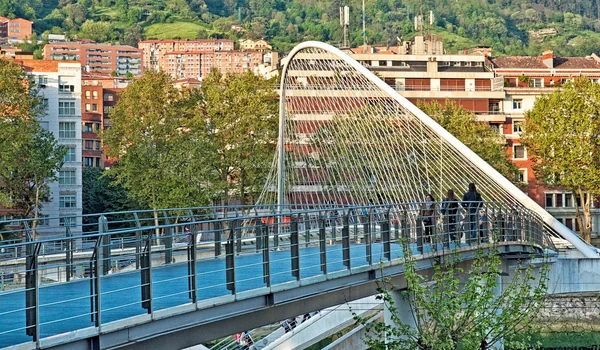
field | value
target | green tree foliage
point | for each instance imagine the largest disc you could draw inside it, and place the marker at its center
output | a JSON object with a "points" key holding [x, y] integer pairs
{"points": [[478, 136], [457, 306], [97, 31], [160, 144], [102, 195], [132, 35], [561, 134], [242, 112], [29, 155], [502, 24]]}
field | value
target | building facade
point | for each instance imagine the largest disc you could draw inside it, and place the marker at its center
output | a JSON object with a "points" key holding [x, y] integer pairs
{"points": [[258, 45], [99, 94], [194, 59], [525, 78], [15, 30], [98, 58], [60, 86], [421, 73]]}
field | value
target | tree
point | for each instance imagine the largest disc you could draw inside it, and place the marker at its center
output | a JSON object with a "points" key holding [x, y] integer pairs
{"points": [[242, 113], [478, 136], [132, 35], [102, 195], [97, 31], [160, 145], [561, 135], [458, 306], [29, 155]]}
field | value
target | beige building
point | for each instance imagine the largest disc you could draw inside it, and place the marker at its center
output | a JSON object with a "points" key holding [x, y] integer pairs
{"points": [[184, 59], [259, 45]]}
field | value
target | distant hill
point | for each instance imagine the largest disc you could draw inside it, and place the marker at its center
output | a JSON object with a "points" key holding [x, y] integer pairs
{"points": [[514, 27]]}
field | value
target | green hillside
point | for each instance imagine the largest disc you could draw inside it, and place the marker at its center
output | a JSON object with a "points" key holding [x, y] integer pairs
{"points": [[514, 27]]}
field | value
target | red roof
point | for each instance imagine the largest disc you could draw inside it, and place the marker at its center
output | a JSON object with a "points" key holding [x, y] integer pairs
{"points": [[526, 62]]}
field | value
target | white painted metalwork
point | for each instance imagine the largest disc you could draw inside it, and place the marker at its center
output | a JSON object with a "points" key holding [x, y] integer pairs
{"points": [[347, 137]]}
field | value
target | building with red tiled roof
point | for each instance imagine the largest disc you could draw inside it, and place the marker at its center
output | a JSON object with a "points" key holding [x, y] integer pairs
{"points": [[525, 78]]}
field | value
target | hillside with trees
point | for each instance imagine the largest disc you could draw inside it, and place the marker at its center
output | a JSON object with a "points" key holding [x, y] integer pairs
{"points": [[513, 27]]}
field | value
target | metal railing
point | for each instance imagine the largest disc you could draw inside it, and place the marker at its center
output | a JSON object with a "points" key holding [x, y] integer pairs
{"points": [[116, 265]]}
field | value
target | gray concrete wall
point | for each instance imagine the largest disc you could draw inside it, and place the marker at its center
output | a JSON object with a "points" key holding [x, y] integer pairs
{"points": [[574, 276]]}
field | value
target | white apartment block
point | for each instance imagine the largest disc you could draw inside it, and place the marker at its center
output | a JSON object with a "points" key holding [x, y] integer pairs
{"points": [[60, 86]]}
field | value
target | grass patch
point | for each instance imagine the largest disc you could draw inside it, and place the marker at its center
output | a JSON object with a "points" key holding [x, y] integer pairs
{"points": [[563, 340], [183, 30]]}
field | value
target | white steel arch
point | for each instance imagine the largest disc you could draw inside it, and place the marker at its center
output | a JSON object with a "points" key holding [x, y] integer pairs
{"points": [[347, 137]]}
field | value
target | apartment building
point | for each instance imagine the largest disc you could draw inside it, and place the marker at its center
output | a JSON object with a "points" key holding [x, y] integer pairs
{"points": [[420, 72], [15, 30], [154, 51], [525, 78], [60, 86], [99, 94], [98, 58], [194, 59]]}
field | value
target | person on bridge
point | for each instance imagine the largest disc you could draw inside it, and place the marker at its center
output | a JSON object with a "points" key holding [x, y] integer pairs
{"points": [[450, 208], [428, 216], [472, 202]]}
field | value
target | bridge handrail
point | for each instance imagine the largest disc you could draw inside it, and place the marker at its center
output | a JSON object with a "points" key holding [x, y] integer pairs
{"points": [[217, 256]]}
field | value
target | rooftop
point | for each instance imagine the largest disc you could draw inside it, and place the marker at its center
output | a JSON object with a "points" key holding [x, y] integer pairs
{"points": [[527, 62]]}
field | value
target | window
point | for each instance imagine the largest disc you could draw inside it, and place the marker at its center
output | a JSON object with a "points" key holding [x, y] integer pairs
{"points": [[87, 94], [43, 80], [88, 161], [517, 126], [98, 145], [67, 221], [94, 107], [67, 202], [66, 88], [88, 144], [88, 127], [95, 95], [70, 156], [519, 152], [45, 103], [45, 125], [549, 200], [88, 107], [496, 127], [66, 130], [43, 220], [518, 104], [535, 82], [67, 177], [108, 97], [522, 176], [568, 200], [66, 108], [107, 109], [559, 200]]}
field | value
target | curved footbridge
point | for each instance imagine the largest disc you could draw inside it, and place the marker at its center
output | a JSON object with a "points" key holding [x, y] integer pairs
{"points": [[196, 274]]}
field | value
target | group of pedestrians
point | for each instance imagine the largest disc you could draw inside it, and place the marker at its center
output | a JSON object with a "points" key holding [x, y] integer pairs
{"points": [[471, 202]]}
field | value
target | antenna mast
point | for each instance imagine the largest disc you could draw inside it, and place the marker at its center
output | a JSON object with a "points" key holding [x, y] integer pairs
{"points": [[345, 22], [364, 30]]}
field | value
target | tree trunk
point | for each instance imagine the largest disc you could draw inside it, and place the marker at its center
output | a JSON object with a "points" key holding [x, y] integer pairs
{"points": [[586, 231], [579, 216]]}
